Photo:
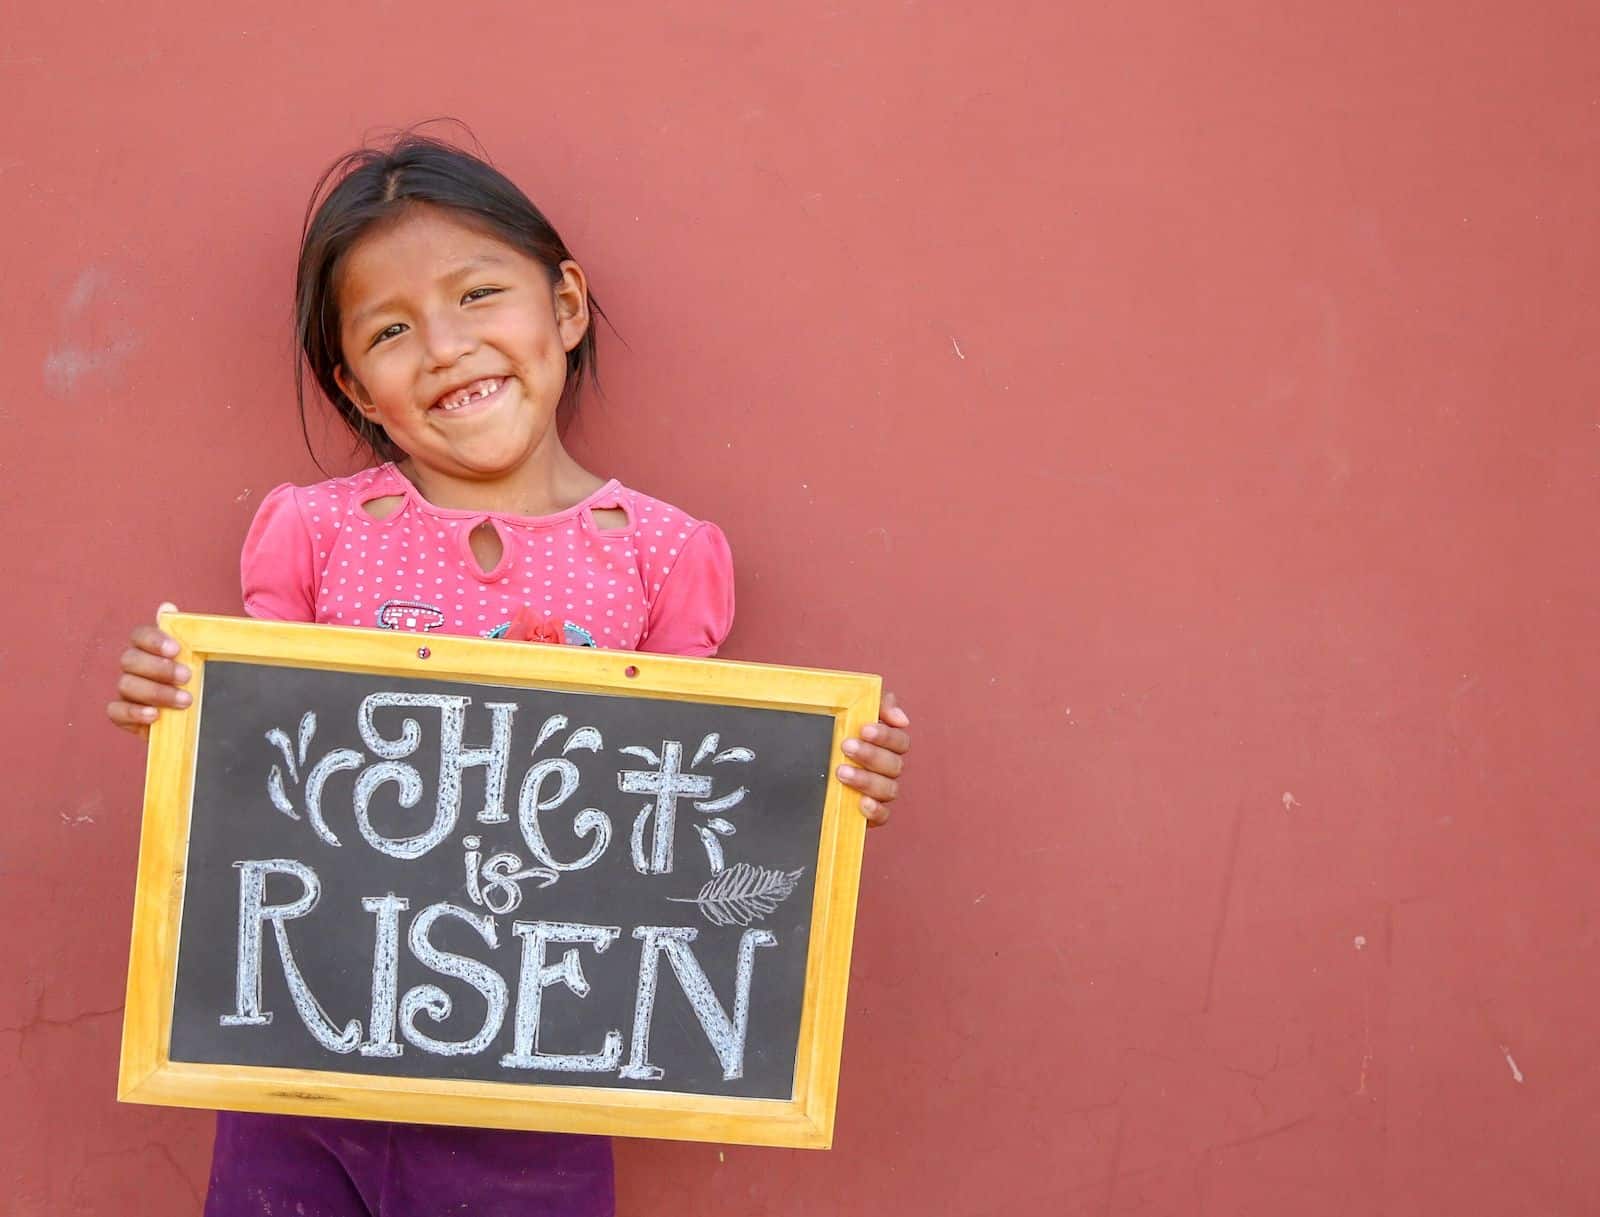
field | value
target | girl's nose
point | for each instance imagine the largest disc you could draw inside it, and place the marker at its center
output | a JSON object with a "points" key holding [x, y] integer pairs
{"points": [[446, 340]]}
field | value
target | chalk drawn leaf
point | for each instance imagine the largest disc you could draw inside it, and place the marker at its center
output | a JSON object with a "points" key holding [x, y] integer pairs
{"points": [[743, 893], [707, 747], [643, 753], [279, 797], [733, 754]]}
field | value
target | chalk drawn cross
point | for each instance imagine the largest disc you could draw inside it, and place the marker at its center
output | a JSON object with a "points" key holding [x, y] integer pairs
{"points": [[668, 783]]}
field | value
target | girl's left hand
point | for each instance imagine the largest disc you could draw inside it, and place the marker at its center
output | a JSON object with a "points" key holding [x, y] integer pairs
{"points": [[878, 760]]}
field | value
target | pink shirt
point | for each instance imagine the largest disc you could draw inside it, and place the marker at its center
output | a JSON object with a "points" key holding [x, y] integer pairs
{"points": [[663, 582]]}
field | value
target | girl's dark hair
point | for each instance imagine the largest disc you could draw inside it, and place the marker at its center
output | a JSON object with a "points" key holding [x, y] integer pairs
{"points": [[371, 185]]}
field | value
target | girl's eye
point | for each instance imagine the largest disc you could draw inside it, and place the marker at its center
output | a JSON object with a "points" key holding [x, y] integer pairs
{"points": [[387, 333], [478, 293]]}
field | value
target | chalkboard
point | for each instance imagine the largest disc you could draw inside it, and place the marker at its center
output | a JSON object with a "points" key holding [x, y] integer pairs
{"points": [[555, 887]]}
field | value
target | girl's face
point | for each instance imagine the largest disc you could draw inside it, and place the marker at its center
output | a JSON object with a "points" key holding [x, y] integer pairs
{"points": [[456, 344]]}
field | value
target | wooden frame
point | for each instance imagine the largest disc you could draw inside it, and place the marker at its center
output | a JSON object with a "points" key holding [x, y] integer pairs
{"points": [[147, 1074]]}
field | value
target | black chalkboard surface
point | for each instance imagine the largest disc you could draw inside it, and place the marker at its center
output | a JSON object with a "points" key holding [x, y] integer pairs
{"points": [[312, 887], [420, 876]]}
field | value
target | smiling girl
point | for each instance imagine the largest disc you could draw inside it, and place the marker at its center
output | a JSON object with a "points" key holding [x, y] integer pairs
{"points": [[446, 321]]}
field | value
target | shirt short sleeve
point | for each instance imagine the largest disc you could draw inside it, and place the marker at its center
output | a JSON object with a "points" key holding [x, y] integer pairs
{"points": [[276, 571], [693, 612]]}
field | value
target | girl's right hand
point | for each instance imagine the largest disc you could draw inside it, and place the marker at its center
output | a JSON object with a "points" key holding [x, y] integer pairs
{"points": [[150, 679]]}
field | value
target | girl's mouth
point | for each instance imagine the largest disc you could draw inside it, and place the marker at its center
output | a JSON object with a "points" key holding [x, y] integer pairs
{"points": [[469, 399]]}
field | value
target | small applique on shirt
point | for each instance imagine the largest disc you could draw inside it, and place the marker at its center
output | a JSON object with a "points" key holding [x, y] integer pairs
{"points": [[572, 635], [409, 615]]}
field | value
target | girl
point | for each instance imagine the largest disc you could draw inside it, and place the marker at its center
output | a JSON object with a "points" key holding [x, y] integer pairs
{"points": [[447, 322]]}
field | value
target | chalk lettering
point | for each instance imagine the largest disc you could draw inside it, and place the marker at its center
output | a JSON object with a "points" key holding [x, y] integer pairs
{"points": [[448, 806], [254, 911], [727, 1035], [434, 1001], [496, 883], [495, 760], [536, 976], [385, 973], [491, 915], [589, 822], [473, 861]]}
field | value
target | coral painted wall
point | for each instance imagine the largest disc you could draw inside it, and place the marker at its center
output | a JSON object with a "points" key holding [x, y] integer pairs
{"points": [[1190, 408]]}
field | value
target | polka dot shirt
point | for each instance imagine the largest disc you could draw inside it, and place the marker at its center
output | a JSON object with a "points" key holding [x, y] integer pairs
{"points": [[662, 582]]}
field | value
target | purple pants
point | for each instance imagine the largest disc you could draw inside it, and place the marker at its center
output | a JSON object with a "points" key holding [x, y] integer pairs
{"points": [[306, 1166]]}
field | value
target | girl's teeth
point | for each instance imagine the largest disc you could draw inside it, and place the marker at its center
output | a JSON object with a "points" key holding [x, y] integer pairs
{"points": [[470, 395]]}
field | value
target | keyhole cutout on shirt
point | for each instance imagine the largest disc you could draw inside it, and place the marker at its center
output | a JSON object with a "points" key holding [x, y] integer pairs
{"points": [[609, 518], [384, 507], [487, 547]]}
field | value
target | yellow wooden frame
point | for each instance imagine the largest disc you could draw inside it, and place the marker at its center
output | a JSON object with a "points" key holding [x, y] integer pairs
{"points": [[147, 1075]]}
